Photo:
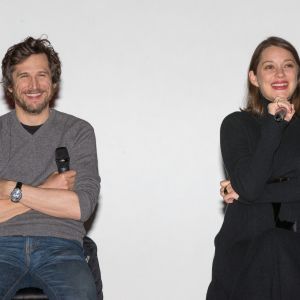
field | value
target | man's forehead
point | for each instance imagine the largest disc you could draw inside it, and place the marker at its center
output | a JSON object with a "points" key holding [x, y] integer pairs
{"points": [[33, 62]]}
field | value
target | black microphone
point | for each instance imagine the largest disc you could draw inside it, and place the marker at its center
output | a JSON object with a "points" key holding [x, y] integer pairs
{"points": [[62, 159], [280, 114]]}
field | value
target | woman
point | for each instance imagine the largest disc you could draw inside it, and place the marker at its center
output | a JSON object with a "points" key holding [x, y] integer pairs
{"points": [[256, 256]]}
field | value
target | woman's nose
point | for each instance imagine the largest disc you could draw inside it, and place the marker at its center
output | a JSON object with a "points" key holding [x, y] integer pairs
{"points": [[280, 72]]}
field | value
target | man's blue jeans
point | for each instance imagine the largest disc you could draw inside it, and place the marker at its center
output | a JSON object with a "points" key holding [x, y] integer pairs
{"points": [[55, 265]]}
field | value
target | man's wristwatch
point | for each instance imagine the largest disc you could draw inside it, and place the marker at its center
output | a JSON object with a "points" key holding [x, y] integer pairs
{"points": [[16, 194]]}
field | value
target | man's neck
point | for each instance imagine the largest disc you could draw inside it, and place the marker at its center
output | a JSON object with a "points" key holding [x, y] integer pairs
{"points": [[32, 119]]}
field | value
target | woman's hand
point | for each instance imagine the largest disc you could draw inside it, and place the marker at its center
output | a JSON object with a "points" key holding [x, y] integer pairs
{"points": [[281, 103], [227, 192]]}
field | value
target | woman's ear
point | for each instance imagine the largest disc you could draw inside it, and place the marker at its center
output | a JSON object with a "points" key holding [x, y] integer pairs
{"points": [[253, 79]]}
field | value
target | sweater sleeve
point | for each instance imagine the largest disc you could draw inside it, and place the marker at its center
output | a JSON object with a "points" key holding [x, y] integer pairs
{"points": [[248, 149], [281, 192], [84, 161]]}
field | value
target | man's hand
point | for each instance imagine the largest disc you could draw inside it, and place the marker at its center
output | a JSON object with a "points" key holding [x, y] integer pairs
{"points": [[64, 181], [6, 188], [9, 209], [54, 197], [227, 192]]}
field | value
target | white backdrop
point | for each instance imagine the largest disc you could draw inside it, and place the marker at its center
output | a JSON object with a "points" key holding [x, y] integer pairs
{"points": [[155, 79]]}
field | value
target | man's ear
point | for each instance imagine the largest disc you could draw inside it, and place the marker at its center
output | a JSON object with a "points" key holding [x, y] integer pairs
{"points": [[253, 79], [10, 89]]}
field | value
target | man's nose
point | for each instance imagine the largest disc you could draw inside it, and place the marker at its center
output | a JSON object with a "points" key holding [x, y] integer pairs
{"points": [[34, 83]]}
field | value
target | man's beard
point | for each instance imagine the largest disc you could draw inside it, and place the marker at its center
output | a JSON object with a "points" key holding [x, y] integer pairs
{"points": [[37, 109]]}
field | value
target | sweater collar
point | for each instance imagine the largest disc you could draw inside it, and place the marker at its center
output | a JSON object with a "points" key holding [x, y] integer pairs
{"points": [[43, 128]]}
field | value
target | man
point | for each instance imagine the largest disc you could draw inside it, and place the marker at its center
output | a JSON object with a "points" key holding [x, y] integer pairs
{"points": [[42, 212]]}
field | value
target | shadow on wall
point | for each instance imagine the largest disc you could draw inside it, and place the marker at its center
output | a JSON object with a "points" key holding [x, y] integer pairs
{"points": [[89, 223]]}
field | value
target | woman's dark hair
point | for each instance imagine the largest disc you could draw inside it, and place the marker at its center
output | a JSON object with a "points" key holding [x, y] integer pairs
{"points": [[254, 103], [21, 51]]}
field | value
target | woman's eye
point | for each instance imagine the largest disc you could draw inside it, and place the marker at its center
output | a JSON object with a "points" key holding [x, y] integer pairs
{"points": [[287, 66], [269, 67]]}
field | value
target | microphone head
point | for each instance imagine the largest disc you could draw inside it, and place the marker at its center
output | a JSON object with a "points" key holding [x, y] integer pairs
{"points": [[62, 159]]}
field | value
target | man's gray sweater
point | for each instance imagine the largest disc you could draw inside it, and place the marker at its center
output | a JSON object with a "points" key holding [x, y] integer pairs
{"points": [[31, 159]]}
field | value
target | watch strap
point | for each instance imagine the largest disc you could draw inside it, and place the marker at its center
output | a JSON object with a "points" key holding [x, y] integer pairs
{"points": [[19, 185]]}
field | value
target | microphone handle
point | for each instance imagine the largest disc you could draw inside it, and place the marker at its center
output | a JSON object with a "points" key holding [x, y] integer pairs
{"points": [[64, 168], [280, 114]]}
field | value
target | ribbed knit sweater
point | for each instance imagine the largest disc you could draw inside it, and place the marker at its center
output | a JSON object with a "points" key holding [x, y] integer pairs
{"points": [[30, 158]]}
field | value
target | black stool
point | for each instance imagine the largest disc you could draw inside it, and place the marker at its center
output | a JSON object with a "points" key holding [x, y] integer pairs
{"points": [[30, 294]]}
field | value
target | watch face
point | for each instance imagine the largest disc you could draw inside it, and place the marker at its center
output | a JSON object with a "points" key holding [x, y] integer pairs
{"points": [[16, 195]]}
